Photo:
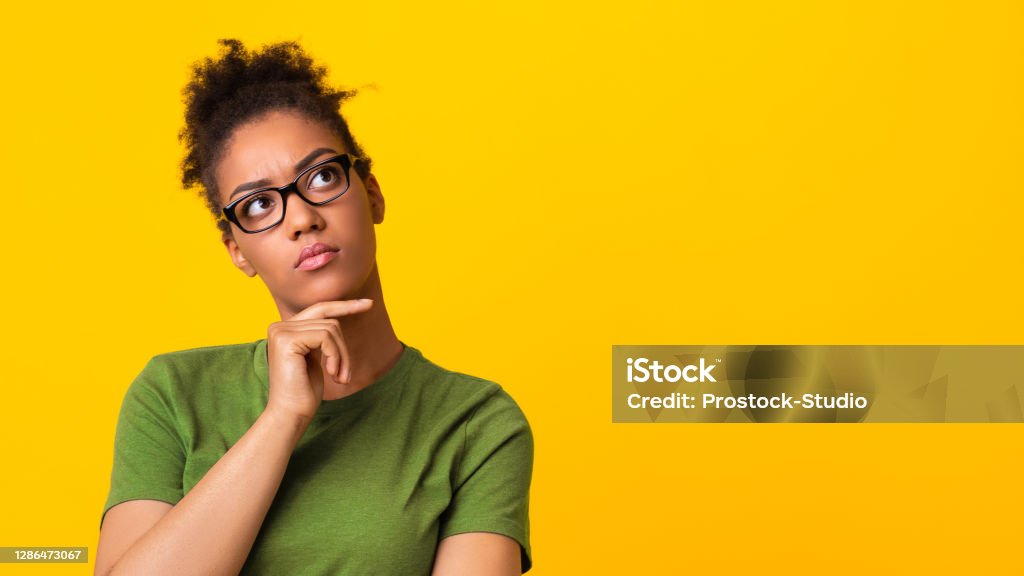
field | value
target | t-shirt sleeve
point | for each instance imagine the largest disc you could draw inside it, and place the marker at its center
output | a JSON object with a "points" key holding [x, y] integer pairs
{"points": [[492, 491], [149, 455]]}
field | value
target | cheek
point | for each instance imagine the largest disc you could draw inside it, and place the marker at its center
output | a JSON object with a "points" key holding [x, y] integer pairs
{"points": [[271, 258], [357, 229], [361, 244]]}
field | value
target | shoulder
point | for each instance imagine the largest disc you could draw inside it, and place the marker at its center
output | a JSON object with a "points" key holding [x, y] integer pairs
{"points": [[205, 357], [181, 372], [473, 398]]}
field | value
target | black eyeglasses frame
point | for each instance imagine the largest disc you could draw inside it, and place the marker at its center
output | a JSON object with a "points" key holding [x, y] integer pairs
{"points": [[347, 163]]}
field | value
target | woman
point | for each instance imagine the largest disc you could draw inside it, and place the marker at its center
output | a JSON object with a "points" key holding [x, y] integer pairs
{"points": [[330, 446]]}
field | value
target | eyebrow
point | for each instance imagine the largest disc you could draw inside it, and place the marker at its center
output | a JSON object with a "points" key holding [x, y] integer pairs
{"points": [[298, 168]]}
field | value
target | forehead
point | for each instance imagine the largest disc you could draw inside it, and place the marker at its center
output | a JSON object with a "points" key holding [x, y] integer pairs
{"points": [[269, 147]]}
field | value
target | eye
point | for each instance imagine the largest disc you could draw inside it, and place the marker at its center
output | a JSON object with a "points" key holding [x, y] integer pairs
{"points": [[257, 206], [324, 177]]}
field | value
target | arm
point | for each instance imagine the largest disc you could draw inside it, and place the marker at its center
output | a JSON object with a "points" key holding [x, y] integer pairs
{"points": [[477, 554], [212, 529]]}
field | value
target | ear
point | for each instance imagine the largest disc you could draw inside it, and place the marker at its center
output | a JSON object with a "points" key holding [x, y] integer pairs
{"points": [[376, 198], [237, 257]]}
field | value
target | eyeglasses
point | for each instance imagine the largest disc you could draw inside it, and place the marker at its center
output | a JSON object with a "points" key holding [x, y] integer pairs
{"points": [[317, 185]]}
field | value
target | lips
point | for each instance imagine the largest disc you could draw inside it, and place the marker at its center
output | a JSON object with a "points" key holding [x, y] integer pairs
{"points": [[314, 250]]}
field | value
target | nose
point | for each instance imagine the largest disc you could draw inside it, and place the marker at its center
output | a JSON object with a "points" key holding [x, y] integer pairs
{"points": [[300, 217]]}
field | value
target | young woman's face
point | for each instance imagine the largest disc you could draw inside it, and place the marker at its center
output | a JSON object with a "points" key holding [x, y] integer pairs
{"points": [[270, 147]]}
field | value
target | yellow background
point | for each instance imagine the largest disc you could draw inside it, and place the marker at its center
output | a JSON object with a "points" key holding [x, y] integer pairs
{"points": [[559, 178]]}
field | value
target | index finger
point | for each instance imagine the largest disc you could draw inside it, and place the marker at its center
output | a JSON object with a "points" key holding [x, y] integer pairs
{"points": [[332, 308]]}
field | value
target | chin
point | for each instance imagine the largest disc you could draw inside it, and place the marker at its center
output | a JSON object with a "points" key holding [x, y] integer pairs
{"points": [[327, 288]]}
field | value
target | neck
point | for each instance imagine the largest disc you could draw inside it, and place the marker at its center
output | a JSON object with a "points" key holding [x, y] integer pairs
{"points": [[373, 347]]}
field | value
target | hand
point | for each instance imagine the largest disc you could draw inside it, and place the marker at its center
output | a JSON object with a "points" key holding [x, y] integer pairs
{"points": [[293, 347]]}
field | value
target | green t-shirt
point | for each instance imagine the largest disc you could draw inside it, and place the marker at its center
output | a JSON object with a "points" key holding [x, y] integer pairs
{"points": [[378, 478]]}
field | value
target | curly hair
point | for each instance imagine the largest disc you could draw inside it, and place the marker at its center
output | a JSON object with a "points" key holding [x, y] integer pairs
{"points": [[241, 86]]}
